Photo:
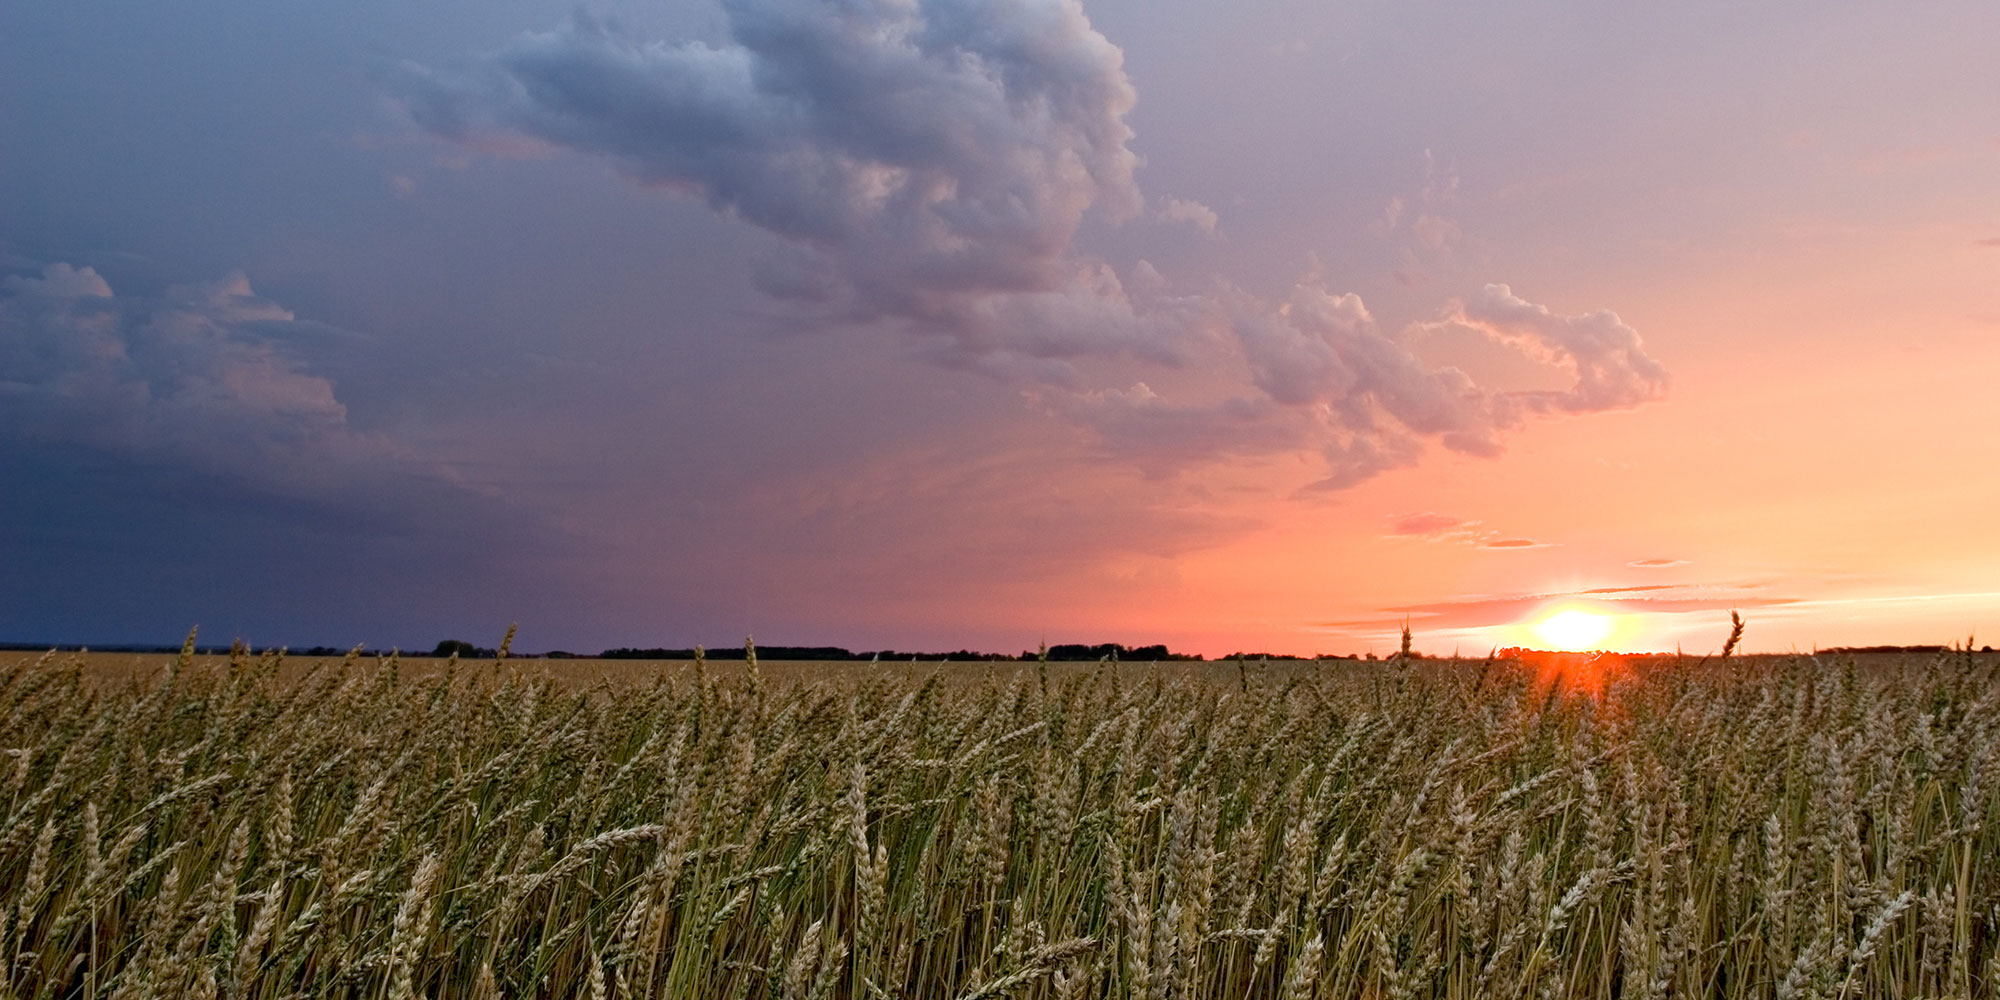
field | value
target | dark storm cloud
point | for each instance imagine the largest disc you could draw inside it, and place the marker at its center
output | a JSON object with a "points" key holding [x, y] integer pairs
{"points": [[928, 164], [169, 453], [928, 156], [198, 377]]}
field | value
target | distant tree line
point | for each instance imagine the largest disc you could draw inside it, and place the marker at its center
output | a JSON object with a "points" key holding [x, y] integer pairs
{"points": [[199, 650], [1062, 652], [1075, 652], [1067, 652], [470, 651], [1291, 656], [791, 653]]}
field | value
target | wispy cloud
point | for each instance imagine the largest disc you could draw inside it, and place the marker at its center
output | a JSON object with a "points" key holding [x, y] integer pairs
{"points": [[1426, 525], [1504, 609], [1446, 528], [1656, 563]]}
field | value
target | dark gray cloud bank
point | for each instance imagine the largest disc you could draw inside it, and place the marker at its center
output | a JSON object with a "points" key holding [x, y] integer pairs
{"points": [[928, 165], [170, 458], [198, 377]]}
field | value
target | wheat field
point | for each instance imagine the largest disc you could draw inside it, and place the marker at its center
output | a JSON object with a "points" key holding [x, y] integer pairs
{"points": [[250, 827]]}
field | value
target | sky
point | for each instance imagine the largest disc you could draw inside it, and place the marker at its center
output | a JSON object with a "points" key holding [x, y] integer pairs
{"points": [[929, 324]]}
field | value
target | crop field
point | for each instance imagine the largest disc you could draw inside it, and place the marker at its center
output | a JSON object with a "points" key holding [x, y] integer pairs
{"points": [[256, 827]]}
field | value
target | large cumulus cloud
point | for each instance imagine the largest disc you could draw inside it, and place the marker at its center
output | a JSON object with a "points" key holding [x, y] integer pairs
{"points": [[928, 163], [928, 154]]}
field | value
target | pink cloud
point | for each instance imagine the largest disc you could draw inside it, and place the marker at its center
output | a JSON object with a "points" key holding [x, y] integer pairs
{"points": [[1190, 212], [1487, 610], [1425, 524], [1437, 527]]}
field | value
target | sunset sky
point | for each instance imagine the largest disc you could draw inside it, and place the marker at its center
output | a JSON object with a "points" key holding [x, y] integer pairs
{"points": [[976, 323]]}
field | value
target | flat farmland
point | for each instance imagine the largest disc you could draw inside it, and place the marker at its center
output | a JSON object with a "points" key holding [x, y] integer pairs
{"points": [[1770, 827]]}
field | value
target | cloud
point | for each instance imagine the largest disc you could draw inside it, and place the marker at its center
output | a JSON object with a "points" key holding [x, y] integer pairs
{"points": [[206, 379], [197, 376], [1371, 398], [923, 155], [1192, 213], [1488, 610], [927, 164], [59, 281], [1094, 313], [1445, 528], [1424, 525], [1612, 368], [1991, 242], [176, 461], [1656, 563], [1323, 375]]}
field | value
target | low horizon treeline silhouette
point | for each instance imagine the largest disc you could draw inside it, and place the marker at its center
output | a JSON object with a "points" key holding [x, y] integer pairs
{"points": [[1058, 653], [1063, 652]]}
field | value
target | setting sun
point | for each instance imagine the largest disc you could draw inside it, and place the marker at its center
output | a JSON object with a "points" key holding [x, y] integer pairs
{"points": [[1574, 629]]}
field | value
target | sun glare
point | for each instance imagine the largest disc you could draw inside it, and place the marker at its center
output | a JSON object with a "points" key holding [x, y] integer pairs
{"points": [[1574, 629]]}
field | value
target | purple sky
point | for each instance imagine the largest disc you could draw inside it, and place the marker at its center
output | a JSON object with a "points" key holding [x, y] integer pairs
{"points": [[934, 324]]}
